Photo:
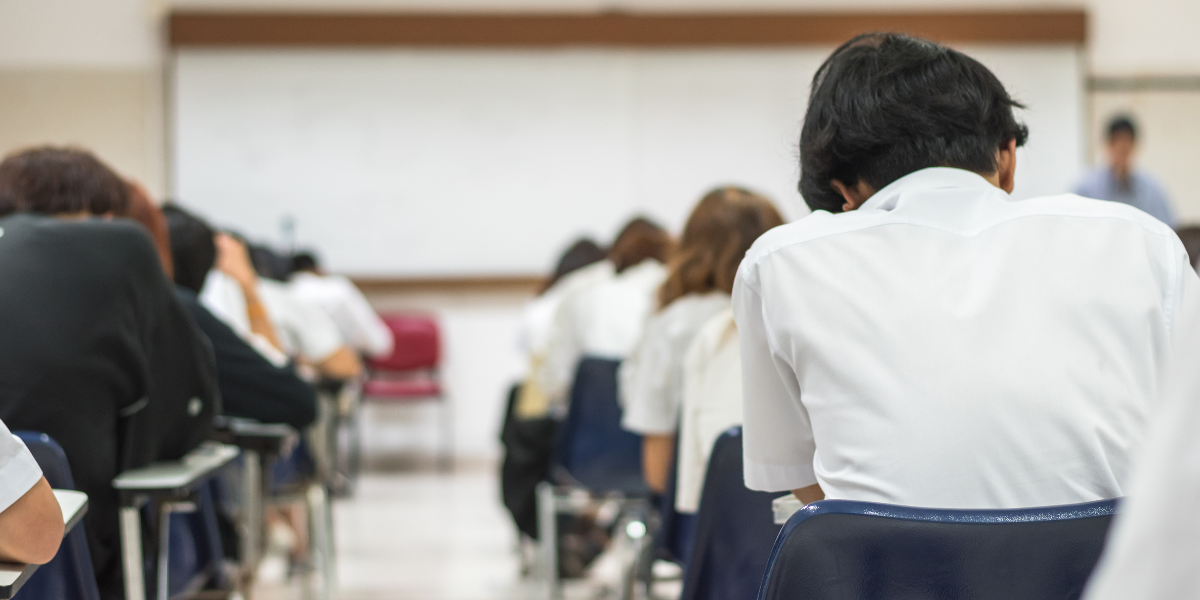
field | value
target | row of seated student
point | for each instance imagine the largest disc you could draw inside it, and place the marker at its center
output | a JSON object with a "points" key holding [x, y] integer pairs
{"points": [[920, 339], [111, 351]]}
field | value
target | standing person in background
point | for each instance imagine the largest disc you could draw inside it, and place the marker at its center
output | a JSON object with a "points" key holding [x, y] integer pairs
{"points": [[1119, 182], [606, 318], [700, 278], [360, 326], [97, 353]]}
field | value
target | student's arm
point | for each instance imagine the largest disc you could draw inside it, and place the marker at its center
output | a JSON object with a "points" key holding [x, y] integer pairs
{"points": [[342, 364], [234, 260], [777, 436], [657, 453], [32, 527], [810, 494]]}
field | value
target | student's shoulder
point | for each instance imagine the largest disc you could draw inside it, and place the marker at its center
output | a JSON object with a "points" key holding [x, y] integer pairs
{"points": [[817, 225], [1073, 206]]}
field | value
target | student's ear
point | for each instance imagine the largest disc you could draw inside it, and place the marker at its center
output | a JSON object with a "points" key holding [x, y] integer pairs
{"points": [[854, 196], [1006, 163]]}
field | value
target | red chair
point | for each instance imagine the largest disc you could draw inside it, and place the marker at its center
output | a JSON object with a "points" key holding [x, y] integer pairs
{"points": [[410, 373]]}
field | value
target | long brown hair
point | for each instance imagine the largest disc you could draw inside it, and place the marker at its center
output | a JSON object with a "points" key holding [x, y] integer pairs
{"points": [[717, 235], [639, 240]]}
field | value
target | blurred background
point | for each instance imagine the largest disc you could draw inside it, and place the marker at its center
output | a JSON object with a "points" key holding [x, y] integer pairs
{"points": [[442, 153]]}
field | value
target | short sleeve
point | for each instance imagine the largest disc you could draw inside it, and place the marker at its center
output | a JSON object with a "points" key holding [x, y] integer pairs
{"points": [[19, 472], [778, 439], [650, 405]]}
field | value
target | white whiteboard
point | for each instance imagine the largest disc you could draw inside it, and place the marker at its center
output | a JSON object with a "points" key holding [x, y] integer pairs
{"points": [[443, 162]]}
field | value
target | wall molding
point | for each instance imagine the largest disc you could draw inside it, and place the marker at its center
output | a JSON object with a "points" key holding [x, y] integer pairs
{"points": [[223, 29], [517, 284], [1144, 83]]}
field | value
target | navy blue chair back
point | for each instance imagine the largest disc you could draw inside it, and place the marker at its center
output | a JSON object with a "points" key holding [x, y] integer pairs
{"points": [[843, 550], [196, 552], [593, 448], [735, 530], [69, 576]]}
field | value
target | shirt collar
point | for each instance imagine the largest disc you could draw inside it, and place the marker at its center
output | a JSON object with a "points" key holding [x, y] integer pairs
{"points": [[926, 179]]}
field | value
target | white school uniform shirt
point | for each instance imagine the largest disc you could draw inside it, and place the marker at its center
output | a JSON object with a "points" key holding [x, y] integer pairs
{"points": [[359, 325], [601, 320], [944, 346], [303, 329], [712, 403], [537, 318], [651, 379], [19, 472], [1152, 551]]}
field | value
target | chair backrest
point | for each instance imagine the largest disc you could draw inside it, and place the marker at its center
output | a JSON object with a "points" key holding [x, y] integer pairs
{"points": [[593, 448], [735, 530], [843, 550], [417, 343], [69, 575]]}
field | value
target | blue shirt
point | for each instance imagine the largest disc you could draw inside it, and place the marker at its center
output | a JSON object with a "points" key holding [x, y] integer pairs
{"points": [[1143, 192]]}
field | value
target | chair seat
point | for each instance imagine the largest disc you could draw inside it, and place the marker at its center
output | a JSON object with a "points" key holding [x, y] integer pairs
{"points": [[414, 389]]}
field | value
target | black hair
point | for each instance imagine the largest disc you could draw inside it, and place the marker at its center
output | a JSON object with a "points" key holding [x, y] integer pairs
{"points": [[55, 181], [1121, 124], [1190, 236], [304, 261], [192, 247], [583, 252], [884, 105]]}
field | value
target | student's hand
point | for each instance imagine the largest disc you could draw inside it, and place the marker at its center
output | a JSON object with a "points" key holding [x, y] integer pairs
{"points": [[234, 260]]}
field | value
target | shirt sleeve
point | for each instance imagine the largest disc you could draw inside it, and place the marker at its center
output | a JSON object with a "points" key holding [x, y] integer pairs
{"points": [[563, 352], [778, 440], [371, 334], [646, 393], [19, 472]]}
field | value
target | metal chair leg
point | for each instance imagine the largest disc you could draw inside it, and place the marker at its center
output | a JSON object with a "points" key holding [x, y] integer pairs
{"points": [[131, 553], [320, 539], [446, 460], [547, 508]]}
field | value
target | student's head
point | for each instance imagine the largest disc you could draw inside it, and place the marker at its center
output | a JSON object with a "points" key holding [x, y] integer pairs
{"points": [[885, 105], [715, 240], [581, 253], [60, 181], [641, 239], [305, 262], [143, 210], [1120, 141], [192, 247]]}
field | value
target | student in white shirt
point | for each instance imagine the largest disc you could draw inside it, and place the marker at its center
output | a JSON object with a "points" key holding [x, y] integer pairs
{"points": [[715, 238], [582, 265], [712, 403], [921, 339], [1153, 550], [264, 310], [31, 522], [360, 326], [604, 319]]}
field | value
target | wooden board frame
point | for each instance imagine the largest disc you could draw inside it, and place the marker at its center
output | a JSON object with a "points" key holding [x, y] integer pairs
{"points": [[211, 29]]}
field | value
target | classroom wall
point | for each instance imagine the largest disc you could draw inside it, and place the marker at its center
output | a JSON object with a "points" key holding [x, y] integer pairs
{"points": [[89, 72]]}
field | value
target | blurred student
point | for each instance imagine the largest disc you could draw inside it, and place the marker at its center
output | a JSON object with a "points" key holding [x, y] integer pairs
{"points": [[266, 310], [99, 354], [31, 521], [251, 386], [360, 327], [605, 318], [1119, 181], [921, 339], [700, 278], [528, 430], [1153, 550]]}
